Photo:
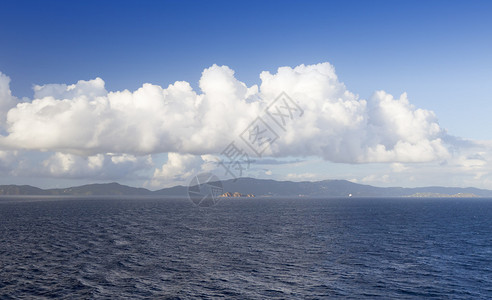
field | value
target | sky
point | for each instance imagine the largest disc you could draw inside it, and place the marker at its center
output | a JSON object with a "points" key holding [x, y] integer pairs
{"points": [[150, 93]]}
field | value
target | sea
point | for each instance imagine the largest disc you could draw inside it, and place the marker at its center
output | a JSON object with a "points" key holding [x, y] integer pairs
{"points": [[255, 248]]}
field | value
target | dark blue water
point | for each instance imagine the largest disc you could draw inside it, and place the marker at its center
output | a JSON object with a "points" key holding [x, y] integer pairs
{"points": [[246, 249]]}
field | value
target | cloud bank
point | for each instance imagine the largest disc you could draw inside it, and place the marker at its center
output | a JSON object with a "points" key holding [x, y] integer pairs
{"points": [[82, 130], [85, 119]]}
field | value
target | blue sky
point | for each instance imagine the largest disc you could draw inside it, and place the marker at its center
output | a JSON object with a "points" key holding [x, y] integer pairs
{"points": [[438, 52]]}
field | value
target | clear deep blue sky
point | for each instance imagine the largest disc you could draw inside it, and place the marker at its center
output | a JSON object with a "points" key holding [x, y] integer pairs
{"points": [[440, 52]]}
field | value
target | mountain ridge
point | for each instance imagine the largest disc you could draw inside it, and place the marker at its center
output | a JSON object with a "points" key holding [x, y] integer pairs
{"points": [[247, 185]]}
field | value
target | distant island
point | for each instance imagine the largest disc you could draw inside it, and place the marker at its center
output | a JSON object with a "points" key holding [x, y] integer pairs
{"points": [[251, 187], [438, 195]]}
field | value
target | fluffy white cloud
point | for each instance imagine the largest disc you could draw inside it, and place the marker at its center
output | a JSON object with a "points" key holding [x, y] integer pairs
{"points": [[7, 160], [375, 179], [86, 120], [91, 89], [301, 177], [398, 167], [7, 101], [71, 166], [180, 167], [61, 164], [177, 166], [340, 127]]}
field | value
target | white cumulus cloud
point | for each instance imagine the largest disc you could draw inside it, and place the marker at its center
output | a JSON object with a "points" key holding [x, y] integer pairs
{"points": [[180, 167], [7, 101], [85, 119]]}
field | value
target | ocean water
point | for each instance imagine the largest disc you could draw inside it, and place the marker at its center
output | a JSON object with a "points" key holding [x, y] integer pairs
{"points": [[99, 248]]}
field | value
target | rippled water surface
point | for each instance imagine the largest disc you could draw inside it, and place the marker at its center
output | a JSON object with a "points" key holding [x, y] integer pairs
{"points": [[245, 249]]}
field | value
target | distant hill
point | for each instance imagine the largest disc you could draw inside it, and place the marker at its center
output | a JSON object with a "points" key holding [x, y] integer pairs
{"points": [[104, 189], [257, 187], [21, 190], [335, 188], [178, 191]]}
